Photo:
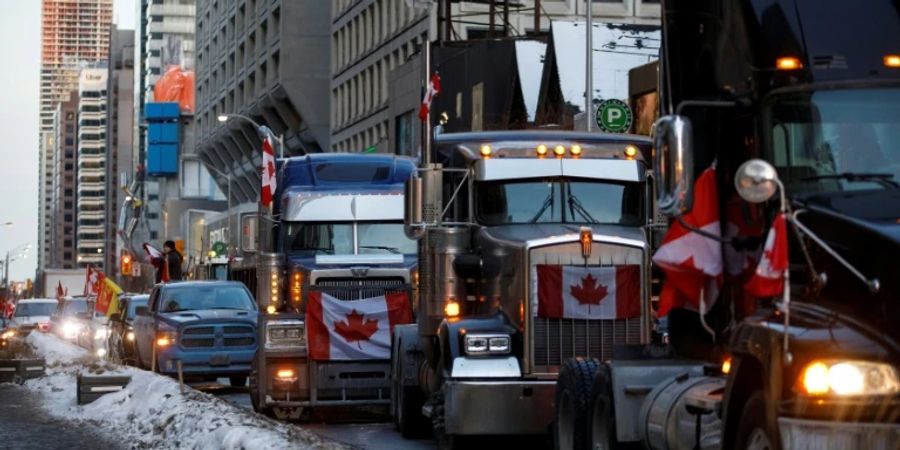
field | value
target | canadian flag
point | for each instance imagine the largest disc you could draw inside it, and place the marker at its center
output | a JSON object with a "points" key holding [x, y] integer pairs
{"points": [[434, 88], [159, 261], [693, 262], [92, 281], [768, 280], [354, 330], [577, 292], [269, 180]]}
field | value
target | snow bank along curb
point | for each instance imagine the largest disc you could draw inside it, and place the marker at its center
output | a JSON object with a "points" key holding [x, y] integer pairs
{"points": [[151, 412]]}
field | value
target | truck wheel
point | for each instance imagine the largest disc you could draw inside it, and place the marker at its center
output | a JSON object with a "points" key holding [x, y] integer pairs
{"points": [[238, 381], [408, 408], [573, 390], [602, 426], [254, 391], [754, 432]]}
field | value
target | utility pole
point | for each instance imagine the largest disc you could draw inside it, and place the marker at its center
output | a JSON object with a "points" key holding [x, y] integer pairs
{"points": [[589, 69]]}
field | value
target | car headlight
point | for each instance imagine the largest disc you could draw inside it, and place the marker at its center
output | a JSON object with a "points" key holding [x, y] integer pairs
{"points": [[100, 333], [848, 378], [285, 333], [8, 334], [71, 329], [129, 336], [487, 344], [166, 338]]}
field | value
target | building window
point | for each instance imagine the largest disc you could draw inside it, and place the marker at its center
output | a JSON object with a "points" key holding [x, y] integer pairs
{"points": [[405, 133]]}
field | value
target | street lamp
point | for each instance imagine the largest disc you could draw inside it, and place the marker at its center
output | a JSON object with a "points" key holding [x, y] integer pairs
{"points": [[222, 118], [25, 247]]}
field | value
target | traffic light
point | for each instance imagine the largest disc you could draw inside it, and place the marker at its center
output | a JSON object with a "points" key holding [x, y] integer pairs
{"points": [[126, 264]]}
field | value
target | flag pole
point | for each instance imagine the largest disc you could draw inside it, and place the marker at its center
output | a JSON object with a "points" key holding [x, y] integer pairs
{"points": [[426, 124]]}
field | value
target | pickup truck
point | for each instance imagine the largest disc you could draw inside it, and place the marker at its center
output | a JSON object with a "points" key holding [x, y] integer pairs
{"points": [[207, 326]]}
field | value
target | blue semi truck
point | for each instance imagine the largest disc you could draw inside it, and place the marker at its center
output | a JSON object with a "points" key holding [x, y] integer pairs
{"points": [[331, 270]]}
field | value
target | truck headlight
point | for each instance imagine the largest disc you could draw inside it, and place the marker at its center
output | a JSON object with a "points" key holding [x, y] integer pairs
{"points": [[100, 334], [285, 334], [129, 336], [8, 334], [848, 378], [71, 329], [487, 344]]}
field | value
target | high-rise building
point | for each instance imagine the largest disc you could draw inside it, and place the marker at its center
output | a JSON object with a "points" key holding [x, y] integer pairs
{"points": [[65, 172], [91, 190], [73, 32], [120, 168], [267, 60], [370, 39]]}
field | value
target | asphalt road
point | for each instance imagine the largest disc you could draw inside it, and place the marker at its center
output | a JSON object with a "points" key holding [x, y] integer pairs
{"points": [[25, 426], [370, 429]]}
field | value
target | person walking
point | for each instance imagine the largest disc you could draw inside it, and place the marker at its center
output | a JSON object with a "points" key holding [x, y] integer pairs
{"points": [[173, 260]]}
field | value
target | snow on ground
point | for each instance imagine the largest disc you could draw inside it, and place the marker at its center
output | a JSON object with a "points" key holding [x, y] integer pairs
{"points": [[151, 412]]}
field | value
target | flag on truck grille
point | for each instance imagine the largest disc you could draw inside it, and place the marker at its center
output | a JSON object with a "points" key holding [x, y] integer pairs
{"points": [[354, 330], [768, 280], [693, 261], [578, 292]]}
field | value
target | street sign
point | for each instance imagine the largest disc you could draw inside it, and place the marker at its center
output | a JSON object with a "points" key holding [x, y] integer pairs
{"points": [[219, 247], [614, 116]]}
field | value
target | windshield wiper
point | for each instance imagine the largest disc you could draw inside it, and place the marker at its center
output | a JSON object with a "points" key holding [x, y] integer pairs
{"points": [[317, 249], [575, 205], [393, 250], [548, 203], [883, 179]]}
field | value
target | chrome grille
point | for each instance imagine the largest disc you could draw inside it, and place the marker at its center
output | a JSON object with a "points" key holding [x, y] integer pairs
{"points": [[555, 340], [350, 289]]}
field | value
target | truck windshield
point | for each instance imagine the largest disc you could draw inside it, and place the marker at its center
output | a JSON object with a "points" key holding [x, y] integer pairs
{"points": [[193, 297], [836, 140], [319, 238], [559, 200], [34, 309]]}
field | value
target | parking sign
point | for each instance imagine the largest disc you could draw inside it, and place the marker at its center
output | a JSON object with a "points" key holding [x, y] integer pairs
{"points": [[614, 116]]}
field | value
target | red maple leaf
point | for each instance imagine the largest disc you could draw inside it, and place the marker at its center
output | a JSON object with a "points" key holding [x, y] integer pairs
{"points": [[354, 329], [589, 292]]}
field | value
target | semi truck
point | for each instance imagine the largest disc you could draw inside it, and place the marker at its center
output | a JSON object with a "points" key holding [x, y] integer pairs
{"points": [[72, 281], [533, 248], [797, 105], [331, 274]]}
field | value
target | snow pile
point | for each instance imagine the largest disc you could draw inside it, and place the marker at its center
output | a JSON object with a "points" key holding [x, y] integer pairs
{"points": [[151, 412]]}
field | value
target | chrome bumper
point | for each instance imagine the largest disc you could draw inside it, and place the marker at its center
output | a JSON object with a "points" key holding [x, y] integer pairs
{"points": [[498, 407], [801, 434]]}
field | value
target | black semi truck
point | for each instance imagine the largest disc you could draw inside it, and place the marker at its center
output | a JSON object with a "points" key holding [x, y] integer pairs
{"points": [[797, 104]]}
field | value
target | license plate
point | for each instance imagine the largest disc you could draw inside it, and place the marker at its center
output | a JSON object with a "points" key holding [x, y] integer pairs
{"points": [[219, 360]]}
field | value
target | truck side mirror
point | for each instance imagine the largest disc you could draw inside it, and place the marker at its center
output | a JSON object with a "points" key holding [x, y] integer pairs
{"points": [[142, 311], [673, 163], [412, 210]]}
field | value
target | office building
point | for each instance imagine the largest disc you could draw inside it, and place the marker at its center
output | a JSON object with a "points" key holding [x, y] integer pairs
{"points": [[91, 156], [65, 172]]}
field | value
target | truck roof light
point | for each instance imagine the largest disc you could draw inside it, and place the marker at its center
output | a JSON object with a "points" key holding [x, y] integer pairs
{"points": [[559, 151], [270, 309], [631, 151], [486, 150], [575, 150], [452, 308], [541, 150], [788, 63], [586, 237], [892, 61]]}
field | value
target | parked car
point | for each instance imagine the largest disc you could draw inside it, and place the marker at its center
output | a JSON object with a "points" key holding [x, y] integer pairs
{"points": [[209, 326], [94, 329], [32, 314], [67, 321], [121, 332]]}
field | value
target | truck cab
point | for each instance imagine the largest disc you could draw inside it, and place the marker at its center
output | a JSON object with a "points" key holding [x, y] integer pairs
{"points": [[533, 248], [337, 282]]}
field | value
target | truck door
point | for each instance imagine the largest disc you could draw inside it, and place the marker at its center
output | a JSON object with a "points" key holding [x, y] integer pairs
{"points": [[145, 327]]}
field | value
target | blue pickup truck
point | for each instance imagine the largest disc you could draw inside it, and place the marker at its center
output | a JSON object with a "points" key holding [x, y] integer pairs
{"points": [[209, 326]]}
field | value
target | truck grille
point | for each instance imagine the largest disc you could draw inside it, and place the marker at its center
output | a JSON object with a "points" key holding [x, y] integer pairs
{"points": [[350, 289], [555, 340], [218, 336]]}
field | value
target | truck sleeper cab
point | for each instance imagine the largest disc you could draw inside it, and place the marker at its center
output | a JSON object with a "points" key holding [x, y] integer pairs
{"points": [[543, 238], [340, 276]]}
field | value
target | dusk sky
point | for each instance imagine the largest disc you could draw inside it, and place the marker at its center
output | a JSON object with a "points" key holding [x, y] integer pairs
{"points": [[20, 31]]}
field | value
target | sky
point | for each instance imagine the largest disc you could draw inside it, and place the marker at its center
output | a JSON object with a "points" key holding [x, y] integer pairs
{"points": [[20, 28]]}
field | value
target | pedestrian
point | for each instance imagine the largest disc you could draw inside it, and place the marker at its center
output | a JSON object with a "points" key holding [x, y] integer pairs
{"points": [[173, 260]]}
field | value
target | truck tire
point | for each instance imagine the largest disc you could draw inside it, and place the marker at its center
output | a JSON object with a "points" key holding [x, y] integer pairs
{"points": [[602, 413], [237, 381], [754, 432], [254, 391], [573, 390], [408, 409]]}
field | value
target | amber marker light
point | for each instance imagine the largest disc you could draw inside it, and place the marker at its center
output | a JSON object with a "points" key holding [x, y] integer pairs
{"points": [[163, 342], [270, 309], [788, 63], [575, 150], [559, 151], [815, 379], [726, 365], [631, 151], [285, 374], [541, 150], [451, 309], [586, 237], [486, 151], [892, 61]]}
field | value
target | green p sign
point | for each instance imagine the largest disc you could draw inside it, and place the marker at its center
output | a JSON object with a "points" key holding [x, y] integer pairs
{"points": [[219, 247], [614, 116]]}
